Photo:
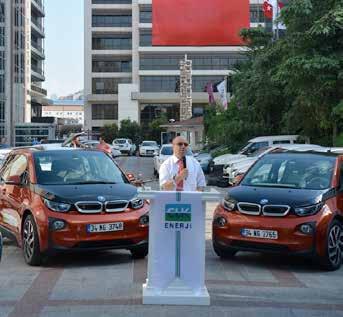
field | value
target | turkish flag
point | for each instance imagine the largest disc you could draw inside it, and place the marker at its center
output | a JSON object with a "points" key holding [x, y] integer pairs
{"points": [[199, 22], [268, 10]]}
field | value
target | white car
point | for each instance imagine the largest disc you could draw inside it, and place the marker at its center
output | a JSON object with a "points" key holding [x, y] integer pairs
{"points": [[254, 145], [232, 170], [165, 152], [93, 144], [125, 146], [148, 148]]}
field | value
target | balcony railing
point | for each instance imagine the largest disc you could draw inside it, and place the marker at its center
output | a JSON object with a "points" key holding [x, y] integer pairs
{"points": [[39, 90]]}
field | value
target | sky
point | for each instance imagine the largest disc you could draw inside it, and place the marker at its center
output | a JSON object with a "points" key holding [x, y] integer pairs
{"points": [[63, 46]]}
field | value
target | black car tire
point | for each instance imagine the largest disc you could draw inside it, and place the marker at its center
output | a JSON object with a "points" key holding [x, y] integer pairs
{"points": [[224, 253], [31, 248], [332, 260], [139, 252]]}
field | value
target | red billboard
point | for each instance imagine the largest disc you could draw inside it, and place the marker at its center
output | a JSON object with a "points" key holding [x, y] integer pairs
{"points": [[199, 22]]}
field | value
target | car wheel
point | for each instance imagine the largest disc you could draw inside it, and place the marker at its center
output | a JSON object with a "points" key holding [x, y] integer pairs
{"points": [[31, 249], [334, 247], [224, 253], [139, 252]]}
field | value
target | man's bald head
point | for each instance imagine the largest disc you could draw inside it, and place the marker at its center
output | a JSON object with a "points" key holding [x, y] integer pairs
{"points": [[180, 145]]}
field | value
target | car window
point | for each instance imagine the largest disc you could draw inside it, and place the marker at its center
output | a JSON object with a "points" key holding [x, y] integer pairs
{"points": [[147, 143], [167, 150], [292, 170], [282, 142], [15, 166], [76, 167]]}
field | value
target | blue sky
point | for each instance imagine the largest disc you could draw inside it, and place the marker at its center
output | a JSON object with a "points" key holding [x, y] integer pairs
{"points": [[63, 46]]}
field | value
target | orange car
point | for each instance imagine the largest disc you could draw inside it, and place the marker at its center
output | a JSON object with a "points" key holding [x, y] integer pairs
{"points": [[288, 202], [70, 199]]}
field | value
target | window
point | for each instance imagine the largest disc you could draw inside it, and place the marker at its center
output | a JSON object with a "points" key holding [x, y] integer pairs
{"points": [[108, 86], [112, 42], [104, 112], [145, 15], [282, 142], [256, 14], [15, 166], [123, 20], [145, 39], [112, 66]]}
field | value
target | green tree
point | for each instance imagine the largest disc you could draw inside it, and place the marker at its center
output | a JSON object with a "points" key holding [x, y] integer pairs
{"points": [[154, 129], [109, 132], [131, 130]]}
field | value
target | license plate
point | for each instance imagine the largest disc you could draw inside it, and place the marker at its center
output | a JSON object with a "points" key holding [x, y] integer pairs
{"points": [[262, 234], [105, 227]]}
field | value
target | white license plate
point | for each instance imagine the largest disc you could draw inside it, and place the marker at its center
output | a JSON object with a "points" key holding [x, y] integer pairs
{"points": [[105, 227], [262, 234]]}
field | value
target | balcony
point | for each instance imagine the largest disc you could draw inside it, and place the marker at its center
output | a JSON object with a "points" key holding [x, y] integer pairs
{"points": [[38, 7], [39, 90], [37, 74], [38, 28], [37, 50]]}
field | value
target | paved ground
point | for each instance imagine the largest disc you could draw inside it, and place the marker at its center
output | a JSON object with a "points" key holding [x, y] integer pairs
{"points": [[110, 283]]}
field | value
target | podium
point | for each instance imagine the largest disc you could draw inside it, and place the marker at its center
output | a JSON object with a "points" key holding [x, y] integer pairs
{"points": [[176, 262]]}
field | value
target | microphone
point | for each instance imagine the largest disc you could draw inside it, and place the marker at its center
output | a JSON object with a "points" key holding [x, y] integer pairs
{"points": [[184, 163]]}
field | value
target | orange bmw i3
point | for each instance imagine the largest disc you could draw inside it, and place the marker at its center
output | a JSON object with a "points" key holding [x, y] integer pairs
{"points": [[288, 202], [70, 200]]}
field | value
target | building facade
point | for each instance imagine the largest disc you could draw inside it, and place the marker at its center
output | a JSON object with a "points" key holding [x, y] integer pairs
{"points": [[126, 77], [70, 111], [21, 64]]}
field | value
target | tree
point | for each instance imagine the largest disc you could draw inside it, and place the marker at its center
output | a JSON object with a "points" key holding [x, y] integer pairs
{"points": [[109, 132], [131, 130], [154, 128]]}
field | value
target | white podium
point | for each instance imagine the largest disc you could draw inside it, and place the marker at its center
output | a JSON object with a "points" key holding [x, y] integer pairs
{"points": [[176, 262]]}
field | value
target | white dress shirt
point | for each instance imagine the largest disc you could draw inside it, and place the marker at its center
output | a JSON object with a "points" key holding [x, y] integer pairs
{"points": [[170, 168]]}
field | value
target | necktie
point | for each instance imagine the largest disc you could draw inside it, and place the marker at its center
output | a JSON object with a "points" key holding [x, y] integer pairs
{"points": [[179, 185]]}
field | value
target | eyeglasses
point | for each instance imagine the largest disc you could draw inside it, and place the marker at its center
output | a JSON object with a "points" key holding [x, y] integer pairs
{"points": [[181, 143]]}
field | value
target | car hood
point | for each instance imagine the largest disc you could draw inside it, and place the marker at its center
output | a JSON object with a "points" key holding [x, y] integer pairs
{"points": [[243, 163], [74, 193], [227, 158], [277, 196]]}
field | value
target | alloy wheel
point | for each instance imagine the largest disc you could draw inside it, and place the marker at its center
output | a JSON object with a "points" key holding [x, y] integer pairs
{"points": [[28, 239], [335, 244]]}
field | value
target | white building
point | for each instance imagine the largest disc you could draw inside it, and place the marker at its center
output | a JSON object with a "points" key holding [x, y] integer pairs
{"points": [[125, 77], [71, 111]]}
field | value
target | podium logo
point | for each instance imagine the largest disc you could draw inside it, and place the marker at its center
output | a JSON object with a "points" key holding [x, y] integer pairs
{"points": [[178, 216]]}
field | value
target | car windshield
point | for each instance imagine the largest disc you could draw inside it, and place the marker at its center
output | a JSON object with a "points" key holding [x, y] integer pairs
{"points": [[292, 170], [120, 141], [146, 143], [168, 150], [76, 167]]}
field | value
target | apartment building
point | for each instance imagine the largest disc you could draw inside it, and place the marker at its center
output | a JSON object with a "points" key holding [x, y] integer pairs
{"points": [[126, 77], [21, 65]]}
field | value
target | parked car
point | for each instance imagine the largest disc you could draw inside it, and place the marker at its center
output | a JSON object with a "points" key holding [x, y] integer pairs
{"points": [[206, 161], [240, 166], [75, 199], [148, 148], [289, 202], [125, 146], [165, 152], [254, 145], [93, 145]]}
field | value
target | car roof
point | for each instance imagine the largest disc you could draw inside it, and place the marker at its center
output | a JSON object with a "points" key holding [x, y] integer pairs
{"points": [[274, 137], [323, 152]]}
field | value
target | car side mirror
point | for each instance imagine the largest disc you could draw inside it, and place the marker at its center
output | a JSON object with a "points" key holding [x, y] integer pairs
{"points": [[13, 180]]}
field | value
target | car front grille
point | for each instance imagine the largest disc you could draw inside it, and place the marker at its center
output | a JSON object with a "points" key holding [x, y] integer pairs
{"points": [[88, 207], [275, 210], [266, 210], [249, 208], [116, 206]]}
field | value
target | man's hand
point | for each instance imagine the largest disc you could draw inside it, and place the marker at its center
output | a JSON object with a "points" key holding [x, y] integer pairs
{"points": [[169, 185], [182, 176]]}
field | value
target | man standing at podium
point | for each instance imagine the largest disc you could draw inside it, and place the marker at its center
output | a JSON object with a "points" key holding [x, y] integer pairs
{"points": [[181, 172]]}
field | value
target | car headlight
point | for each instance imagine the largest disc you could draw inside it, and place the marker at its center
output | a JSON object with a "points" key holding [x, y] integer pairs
{"points": [[137, 203], [229, 203], [57, 206], [308, 210]]}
